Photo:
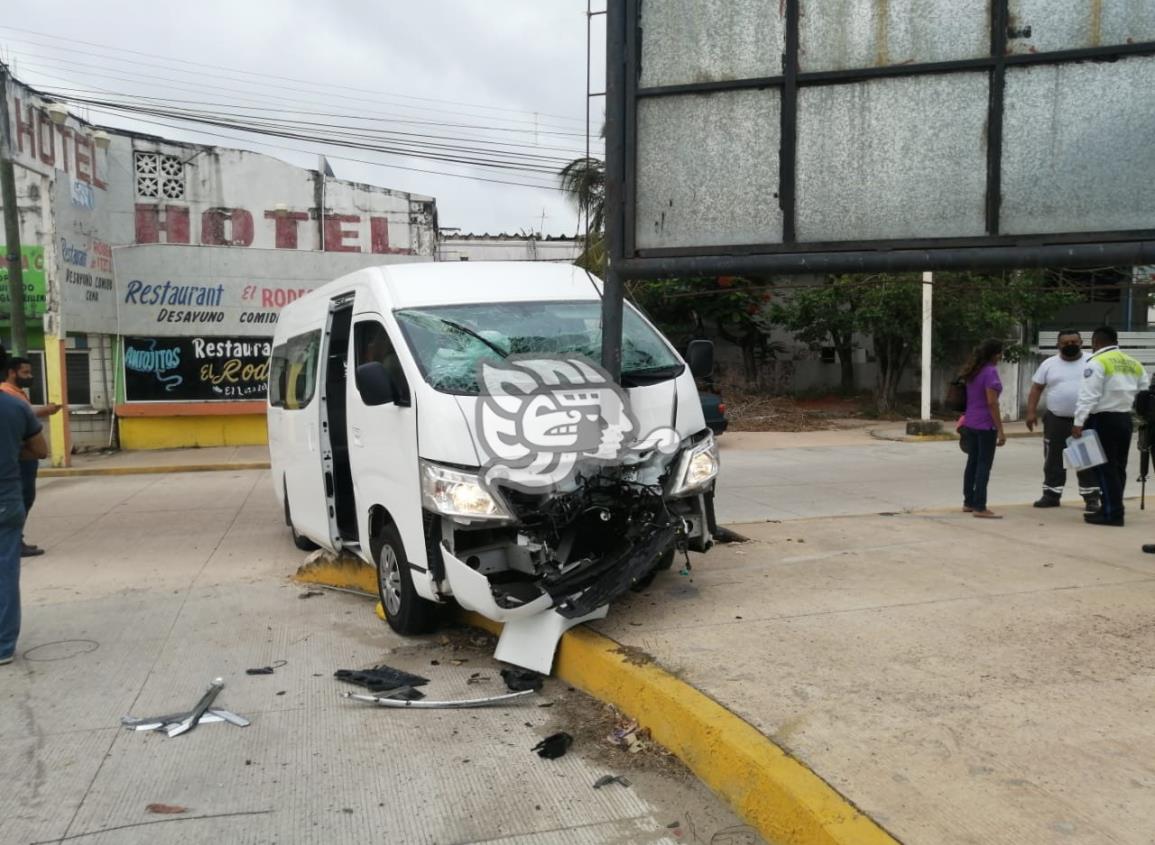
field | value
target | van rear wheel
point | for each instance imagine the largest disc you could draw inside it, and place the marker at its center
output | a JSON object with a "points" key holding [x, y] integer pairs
{"points": [[405, 611]]}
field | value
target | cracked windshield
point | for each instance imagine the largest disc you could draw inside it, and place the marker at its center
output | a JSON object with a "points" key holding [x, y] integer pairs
{"points": [[450, 342]]}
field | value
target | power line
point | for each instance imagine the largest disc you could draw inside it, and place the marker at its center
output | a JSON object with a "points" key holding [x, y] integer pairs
{"points": [[382, 116], [335, 141], [385, 165], [334, 130], [190, 85], [71, 42]]}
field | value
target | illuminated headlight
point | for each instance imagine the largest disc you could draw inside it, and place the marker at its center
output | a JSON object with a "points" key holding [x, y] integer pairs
{"points": [[697, 468], [455, 493]]}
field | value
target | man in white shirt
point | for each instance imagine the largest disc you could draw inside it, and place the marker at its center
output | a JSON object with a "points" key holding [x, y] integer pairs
{"points": [[1060, 377], [1111, 381]]}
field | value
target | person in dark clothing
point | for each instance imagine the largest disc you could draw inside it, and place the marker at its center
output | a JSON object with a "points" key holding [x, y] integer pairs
{"points": [[18, 379], [984, 425], [20, 434]]}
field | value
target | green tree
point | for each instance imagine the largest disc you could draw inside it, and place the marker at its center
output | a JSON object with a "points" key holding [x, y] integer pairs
{"points": [[888, 307], [728, 307], [584, 179]]}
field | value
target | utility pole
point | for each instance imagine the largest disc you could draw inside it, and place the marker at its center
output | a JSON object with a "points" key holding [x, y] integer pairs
{"points": [[11, 222]]}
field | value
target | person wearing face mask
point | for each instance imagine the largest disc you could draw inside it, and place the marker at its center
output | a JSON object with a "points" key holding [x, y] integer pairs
{"points": [[18, 379], [1060, 376]]}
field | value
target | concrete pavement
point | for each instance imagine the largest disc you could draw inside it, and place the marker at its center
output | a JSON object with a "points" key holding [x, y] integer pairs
{"points": [[154, 584], [959, 680], [838, 473]]}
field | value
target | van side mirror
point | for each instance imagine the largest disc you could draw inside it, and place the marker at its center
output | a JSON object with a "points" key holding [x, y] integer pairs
{"points": [[700, 357], [377, 386]]}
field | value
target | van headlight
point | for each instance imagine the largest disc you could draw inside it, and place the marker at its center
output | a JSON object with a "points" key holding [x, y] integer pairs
{"points": [[454, 492], [697, 467]]}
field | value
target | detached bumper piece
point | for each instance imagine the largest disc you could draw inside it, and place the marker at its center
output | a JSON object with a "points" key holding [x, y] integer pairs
{"points": [[176, 724], [598, 585]]}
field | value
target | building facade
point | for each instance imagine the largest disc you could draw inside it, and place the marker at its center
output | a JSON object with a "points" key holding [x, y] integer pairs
{"points": [[234, 219]]}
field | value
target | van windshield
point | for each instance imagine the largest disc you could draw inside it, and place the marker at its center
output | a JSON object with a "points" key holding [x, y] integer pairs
{"points": [[450, 341]]}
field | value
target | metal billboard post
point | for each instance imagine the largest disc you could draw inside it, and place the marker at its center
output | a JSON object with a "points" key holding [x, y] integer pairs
{"points": [[614, 292]]}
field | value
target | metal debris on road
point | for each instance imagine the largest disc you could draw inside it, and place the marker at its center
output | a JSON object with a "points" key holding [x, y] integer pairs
{"points": [[386, 701], [176, 724], [554, 745], [267, 670]]}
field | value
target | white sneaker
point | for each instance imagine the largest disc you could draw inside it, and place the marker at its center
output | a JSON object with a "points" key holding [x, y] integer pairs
{"points": [[4, 661]]}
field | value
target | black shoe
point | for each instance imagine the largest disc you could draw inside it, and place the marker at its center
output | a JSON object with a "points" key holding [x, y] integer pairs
{"points": [[1149, 548], [1047, 502], [1100, 519], [1092, 505], [28, 550]]}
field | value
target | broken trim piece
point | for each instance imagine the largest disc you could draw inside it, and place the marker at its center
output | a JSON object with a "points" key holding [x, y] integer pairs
{"points": [[461, 704]]}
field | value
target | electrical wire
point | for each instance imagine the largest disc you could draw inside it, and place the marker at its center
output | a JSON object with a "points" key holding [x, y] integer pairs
{"points": [[53, 70], [341, 157], [71, 49]]}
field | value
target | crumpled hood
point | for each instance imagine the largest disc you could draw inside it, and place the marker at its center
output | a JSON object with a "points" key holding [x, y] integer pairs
{"points": [[447, 424]]}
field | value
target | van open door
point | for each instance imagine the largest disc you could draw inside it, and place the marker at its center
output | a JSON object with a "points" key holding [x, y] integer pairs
{"points": [[334, 439]]}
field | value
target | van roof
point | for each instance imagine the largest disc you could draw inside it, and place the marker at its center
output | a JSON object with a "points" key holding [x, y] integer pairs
{"points": [[461, 282]]}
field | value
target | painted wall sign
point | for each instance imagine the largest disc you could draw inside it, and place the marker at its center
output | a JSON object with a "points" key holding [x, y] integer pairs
{"points": [[178, 369], [33, 266]]}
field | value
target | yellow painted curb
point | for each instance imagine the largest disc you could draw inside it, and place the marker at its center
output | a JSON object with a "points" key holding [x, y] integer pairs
{"points": [[770, 790], [348, 573], [79, 472]]}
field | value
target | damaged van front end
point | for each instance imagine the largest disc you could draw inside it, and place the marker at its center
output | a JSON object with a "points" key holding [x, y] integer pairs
{"points": [[541, 562]]}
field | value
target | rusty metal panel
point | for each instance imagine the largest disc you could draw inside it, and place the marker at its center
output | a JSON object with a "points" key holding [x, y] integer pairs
{"points": [[687, 41], [726, 191], [844, 34], [1040, 26], [1071, 157], [893, 158]]}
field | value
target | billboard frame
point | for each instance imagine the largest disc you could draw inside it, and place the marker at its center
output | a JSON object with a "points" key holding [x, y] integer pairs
{"points": [[994, 249]]}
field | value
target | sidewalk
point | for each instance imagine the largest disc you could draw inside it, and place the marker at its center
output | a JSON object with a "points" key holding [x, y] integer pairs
{"points": [[897, 432], [163, 460], [960, 681]]}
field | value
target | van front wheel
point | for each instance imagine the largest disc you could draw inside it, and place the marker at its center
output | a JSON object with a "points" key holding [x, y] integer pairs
{"points": [[405, 611]]}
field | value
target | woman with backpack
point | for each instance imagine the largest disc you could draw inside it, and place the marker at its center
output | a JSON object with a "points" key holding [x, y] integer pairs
{"points": [[983, 430]]}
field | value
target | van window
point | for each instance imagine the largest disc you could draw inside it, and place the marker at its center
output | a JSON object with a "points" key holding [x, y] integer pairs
{"points": [[293, 375], [450, 341], [371, 343]]}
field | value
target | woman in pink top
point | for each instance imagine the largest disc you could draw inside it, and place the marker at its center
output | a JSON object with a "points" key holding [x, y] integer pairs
{"points": [[984, 425]]}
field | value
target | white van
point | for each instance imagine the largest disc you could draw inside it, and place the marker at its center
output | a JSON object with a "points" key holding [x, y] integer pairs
{"points": [[397, 433]]}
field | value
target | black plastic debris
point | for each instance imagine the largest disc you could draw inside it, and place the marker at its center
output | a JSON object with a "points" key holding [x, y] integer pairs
{"points": [[519, 680], [606, 780], [383, 679], [308, 594], [554, 746], [267, 670]]}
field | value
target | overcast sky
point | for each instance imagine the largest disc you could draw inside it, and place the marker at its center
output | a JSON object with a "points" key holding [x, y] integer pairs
{"points": [[510, 71]]}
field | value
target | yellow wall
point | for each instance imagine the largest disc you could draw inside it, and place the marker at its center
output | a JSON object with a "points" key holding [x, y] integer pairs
{"points": [[182, 432]]}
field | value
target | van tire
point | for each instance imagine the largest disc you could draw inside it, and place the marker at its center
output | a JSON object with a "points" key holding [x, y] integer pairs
{"points": [[406, 612], [300, 541]]}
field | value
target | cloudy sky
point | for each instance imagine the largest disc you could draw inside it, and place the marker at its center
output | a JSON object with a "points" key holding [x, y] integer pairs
{"points": [[493, 81]]}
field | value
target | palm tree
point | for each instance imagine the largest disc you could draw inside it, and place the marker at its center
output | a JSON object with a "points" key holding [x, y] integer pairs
{"points": [[584, 179]]}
